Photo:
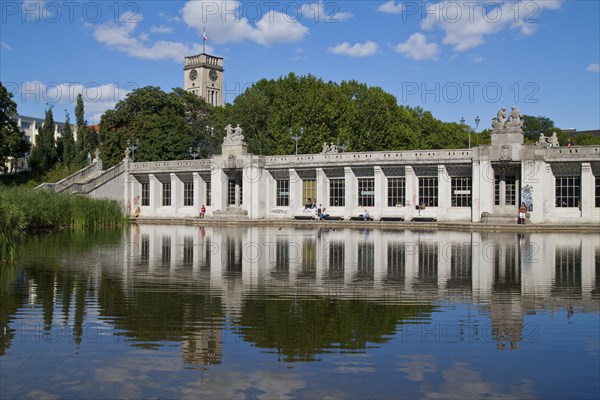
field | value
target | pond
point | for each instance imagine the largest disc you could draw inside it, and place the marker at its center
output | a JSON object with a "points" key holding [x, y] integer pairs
{"points": [[282, 312]]}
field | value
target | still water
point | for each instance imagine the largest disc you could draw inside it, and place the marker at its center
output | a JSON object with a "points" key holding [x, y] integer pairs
{"points": [[275, 313]]}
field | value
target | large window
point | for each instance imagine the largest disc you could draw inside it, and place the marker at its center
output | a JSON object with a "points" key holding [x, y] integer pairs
{"points": [[208, 193], [366, 192], [461, 192], [166, 194], [145, 194], [428, 191], [396, 192], [309, 190], [337, 192], [283, 193], [496, 190], [231, 192], [568, 191], [511, 190], [188, 193]]}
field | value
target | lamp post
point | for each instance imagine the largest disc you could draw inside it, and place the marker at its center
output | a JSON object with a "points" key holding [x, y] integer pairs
{"points": [[296, 137], [342, 147], [193, 153], [133, 147]]}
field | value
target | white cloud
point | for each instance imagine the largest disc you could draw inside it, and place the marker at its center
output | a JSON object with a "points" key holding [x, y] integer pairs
{"points": [[417, 48], [5, 45], [391, 8], [366, 49], [466, 24], [96, 98], [319, 12], [224, 22], [593, 68], [161, 29], [120, 37]]}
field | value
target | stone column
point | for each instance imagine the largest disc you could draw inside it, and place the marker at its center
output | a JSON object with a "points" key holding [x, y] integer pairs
{"points": [[322, 192], [198, 192], [219, 182], [296, 200], [476, 191], [444, 191], [412, 192], [237, 189], [176, 193], [588, 184], [486, 188], [350, 188], [155, 194], [380, 193]]}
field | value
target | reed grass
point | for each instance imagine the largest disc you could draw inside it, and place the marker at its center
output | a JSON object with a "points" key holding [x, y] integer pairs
{"points": [[23, 211]]}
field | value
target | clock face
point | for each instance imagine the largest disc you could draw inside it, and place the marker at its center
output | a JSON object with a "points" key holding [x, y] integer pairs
{"points": [[213, 75], [193, 74]]}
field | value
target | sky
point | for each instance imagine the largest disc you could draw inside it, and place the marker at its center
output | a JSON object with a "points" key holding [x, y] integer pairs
{"points": [[457, 59]]}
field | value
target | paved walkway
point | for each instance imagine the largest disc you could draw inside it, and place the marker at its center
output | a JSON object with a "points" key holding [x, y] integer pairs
{"points": [[448, 226]]}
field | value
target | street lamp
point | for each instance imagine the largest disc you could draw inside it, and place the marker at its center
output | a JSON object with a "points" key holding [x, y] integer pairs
{"points": [[193, 153], [296, 137], [133, 147], [342, 147]]}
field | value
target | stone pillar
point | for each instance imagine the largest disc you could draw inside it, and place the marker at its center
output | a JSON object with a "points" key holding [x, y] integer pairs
{"points": [[237, 189], [486, 188], [412, 192], [380, 192], [198, 192], [476, 191], [127, 194], [296, 200], [588, 185], [155, 194], [351, 189], [444, 191], [532, 174], [219, 182], [322, 192], [176, 193]]}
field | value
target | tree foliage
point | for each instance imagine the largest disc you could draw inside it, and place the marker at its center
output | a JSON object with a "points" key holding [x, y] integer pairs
{"points": [[166, 124], [44, 155], [12, 141]]}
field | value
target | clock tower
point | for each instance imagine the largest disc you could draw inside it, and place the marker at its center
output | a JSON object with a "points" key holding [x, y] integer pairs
{"points": [[203, 76]]}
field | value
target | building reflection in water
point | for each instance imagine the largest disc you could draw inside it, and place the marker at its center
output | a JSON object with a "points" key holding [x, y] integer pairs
{"points": [[218, 270]]}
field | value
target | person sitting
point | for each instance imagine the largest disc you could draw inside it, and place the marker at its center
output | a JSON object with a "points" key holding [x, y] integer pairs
{"points": [[202, 212], [137, 212], [324, 215], [309, 204], [366, 216], [522, 214]]}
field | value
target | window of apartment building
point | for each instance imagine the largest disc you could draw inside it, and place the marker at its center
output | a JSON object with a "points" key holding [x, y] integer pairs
{"points": [[145, 194], [188, 193], [396, 192], [309, 190], [166, 194], [282, 196], [568, 191], [337, 192], [461, 191], [366, 192], [428, 191], [25, 124]]}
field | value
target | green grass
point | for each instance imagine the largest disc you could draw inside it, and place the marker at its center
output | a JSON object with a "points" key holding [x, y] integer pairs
{"points": [[23, 211]]}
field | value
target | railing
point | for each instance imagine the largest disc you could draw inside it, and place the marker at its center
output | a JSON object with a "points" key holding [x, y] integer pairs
{"points": [[69, 181], [111, 173]]}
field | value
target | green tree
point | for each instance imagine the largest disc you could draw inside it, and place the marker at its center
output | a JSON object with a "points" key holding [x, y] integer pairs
{"points": [[82, 146], [68, 153], [44, 155], [166, 124], [533, 126], [12, 140]]}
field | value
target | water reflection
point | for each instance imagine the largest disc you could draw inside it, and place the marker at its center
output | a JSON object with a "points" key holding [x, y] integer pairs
{"points": [[301, 294]]}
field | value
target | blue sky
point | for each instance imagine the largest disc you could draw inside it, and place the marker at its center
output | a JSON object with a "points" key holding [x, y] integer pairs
{"points": [[453, 58]]}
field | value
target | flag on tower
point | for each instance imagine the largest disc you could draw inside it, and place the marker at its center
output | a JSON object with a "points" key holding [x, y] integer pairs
{"points": [[204, 39]]}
